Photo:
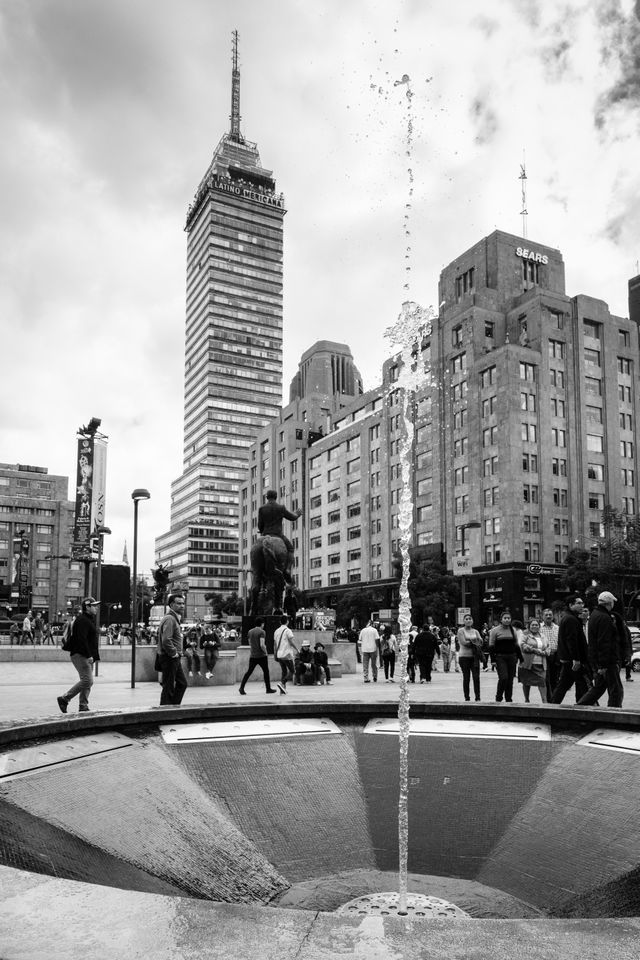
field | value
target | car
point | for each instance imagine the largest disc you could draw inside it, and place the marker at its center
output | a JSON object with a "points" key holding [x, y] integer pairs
{"points": [[635, 638], [635, 661]]}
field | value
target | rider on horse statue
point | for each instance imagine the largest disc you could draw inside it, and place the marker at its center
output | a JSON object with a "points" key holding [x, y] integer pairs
{"points": [[270, 517]]}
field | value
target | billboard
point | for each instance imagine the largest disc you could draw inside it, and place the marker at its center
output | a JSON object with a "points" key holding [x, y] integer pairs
{"points": [[91, 474]]}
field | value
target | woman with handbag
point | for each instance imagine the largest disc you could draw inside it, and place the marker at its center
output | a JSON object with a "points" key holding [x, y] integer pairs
{"points": [[469, 644], [533, 670], [388, 649]]}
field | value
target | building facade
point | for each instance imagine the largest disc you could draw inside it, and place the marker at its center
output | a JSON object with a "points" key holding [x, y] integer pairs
{"points": [[524, 431], [233, 358], [36, 533]]}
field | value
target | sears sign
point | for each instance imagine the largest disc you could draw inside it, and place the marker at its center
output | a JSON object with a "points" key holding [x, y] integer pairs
{"points": [[531, 255]]}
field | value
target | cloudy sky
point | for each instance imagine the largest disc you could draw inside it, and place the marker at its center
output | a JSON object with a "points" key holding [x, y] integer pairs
{"points": [[112, 108]]}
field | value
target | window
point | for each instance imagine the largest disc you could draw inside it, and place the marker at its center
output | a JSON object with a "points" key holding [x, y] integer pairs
{"points": [[592, 358], [596, 500], [530, 462], [460, 447], [626, 421], [595, 471], [491, 497], [353, 510], [492, 554], [458, 364], [558, 407], [530, 493], [425, 513], [315, 543], [456, 336], [316, 581], [596, 529], [315, 522], [624, 393], [624, 338], [559, 497], [559, 437], [460, 419], [529, 432], [528, 372], [556, 350], [374, 479], [354, 555], [333, 538], [556, 320], [560, 527], [594, 414], [488, 406], [461, 504], [333, 474], [374, 432], [489, 329], [315, 563], [591, 329], [489, 436], [374, 455], [624, 366], [395, 496], [353, 533], [492, 526], [626, 448], [627, 478], [528, 402], [558, 467], [353, 466], [490, 466], [333, 517], [465, 284], [488, 376], [375, 502], [628, 505], [353, 445], [333, 559], [595, 443], [376, 526], [461, 475], [459, 391], [333, 496], [556, 378]]}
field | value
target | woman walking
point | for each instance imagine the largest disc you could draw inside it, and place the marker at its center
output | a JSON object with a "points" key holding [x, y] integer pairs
{"points": [[389, 650], [533, 671], [503, 644], [469, 656]]}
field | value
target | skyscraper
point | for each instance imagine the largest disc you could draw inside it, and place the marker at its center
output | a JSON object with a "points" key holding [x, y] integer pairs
{"points": [[233, 356]]}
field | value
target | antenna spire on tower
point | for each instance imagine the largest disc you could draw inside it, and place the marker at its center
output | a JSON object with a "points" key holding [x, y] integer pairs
{"points": [[523, 213], [235, 91]]}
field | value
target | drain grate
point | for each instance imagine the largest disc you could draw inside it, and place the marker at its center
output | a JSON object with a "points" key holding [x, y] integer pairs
{"points": [[386, 905], [461, 729], [34, 759], [625, 741], [247, 730]]}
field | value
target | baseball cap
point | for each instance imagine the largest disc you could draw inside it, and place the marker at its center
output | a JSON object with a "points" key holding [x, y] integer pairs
{"points": [[306, 643], [606, 597], [90, 602]]}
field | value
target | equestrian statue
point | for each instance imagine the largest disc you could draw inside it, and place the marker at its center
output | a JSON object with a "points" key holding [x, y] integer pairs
{"points": [[271, 556]]}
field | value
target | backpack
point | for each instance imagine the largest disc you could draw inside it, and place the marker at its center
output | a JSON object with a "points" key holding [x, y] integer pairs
{"points": [[67, 634]]}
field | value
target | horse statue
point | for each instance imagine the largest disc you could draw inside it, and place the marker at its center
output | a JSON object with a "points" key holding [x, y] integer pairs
{"points": [[268, 568]]}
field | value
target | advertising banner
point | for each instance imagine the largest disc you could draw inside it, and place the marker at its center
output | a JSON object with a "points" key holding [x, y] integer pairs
{"points": [[98, 497], [22, 580], [84, 498]]}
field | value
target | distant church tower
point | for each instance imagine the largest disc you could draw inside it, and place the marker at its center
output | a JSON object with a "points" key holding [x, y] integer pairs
{"points": [[233, 356]]}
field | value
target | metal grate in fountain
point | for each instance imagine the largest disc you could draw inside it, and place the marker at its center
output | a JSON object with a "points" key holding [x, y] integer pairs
{"points": [[386, 905]]}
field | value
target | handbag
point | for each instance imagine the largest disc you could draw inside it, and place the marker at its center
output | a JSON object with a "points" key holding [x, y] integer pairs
{"points": [[157, 664]]}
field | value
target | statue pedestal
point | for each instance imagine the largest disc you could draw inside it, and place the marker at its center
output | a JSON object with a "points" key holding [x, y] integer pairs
{"points": [[271, 624]]}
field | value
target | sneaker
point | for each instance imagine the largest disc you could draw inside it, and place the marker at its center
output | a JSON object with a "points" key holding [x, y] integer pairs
{"points": [[329, 683], [281, 688], [629, 679], [190, 673], [386, 681], [318, 684], [243, 692], [367, 680], [208, 675], [271, 691], [62, 703], [391, 680], [375, 679]]}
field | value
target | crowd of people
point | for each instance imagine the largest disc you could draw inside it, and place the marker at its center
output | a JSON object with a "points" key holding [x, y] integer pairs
{"points": [[578, 647]]}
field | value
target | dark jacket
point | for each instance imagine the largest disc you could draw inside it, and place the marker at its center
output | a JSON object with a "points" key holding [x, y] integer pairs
{"points": [[270, 517], [604, 645], [84, 637], [625, 643], [425, 645], [320, 658], [572, 643]]}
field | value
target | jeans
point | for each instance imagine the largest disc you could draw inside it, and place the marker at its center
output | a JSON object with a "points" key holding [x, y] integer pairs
{"points": [[506, 669], [192, 659], [610, 681], [569, 676], [470, 667], [84, 684], [210, 658], [370, 658], [424, 665], [174, 682], [389, 665], [254, 662], [286, 667]]}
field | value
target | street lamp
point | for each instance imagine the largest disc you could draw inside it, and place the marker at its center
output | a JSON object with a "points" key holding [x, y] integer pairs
{"points": [[137, 495]]}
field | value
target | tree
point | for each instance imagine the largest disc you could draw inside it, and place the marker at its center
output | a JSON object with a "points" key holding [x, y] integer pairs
{"points": [[433, 592], [357, 605]]}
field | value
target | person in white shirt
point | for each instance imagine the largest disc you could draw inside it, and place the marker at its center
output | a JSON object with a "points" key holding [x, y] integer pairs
{"points": [[370, 648], [285, 653]]}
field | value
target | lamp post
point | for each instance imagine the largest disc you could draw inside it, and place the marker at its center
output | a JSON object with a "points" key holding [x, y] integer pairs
{"points": [[472, 525], [137, 495], [99, 535]]}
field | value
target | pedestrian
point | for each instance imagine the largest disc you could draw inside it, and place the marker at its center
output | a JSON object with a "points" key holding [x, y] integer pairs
{"points": [[27, 633], [174, 682], [37, 629], [572, 652], [469, 642], [321, 661], [285, 653], [370, 648], [549, 633], [533, 671], [446, 645], [14, 634], [389, 652], [82, 646], [606, 653], [191, 651], [257, 656], [425, 649], [211, 649], [435, 630], [503, 643]]}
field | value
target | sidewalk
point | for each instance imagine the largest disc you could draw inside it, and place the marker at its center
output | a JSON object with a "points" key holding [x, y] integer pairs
{"points": [[28, 691]]}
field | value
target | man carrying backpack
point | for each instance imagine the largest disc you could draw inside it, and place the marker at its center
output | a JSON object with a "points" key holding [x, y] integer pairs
{"points": [[82, 646]]}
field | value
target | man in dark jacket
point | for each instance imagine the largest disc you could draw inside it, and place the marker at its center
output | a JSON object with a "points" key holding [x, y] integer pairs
{"points": [[270, 517], [170, 648], [425, 647], [572, 653], [605, 653], [83, 650]]}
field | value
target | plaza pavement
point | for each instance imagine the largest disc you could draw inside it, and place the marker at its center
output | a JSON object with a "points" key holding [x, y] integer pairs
{"points": [[28, 690]]}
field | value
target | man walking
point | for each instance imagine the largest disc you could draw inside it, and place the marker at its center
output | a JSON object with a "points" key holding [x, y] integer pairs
{"points": [[83, 650], [174, 682], [369, 648], [605, 654], [549, 633], [27, 634], [425, 649], [572, 653], [257, 656]]}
